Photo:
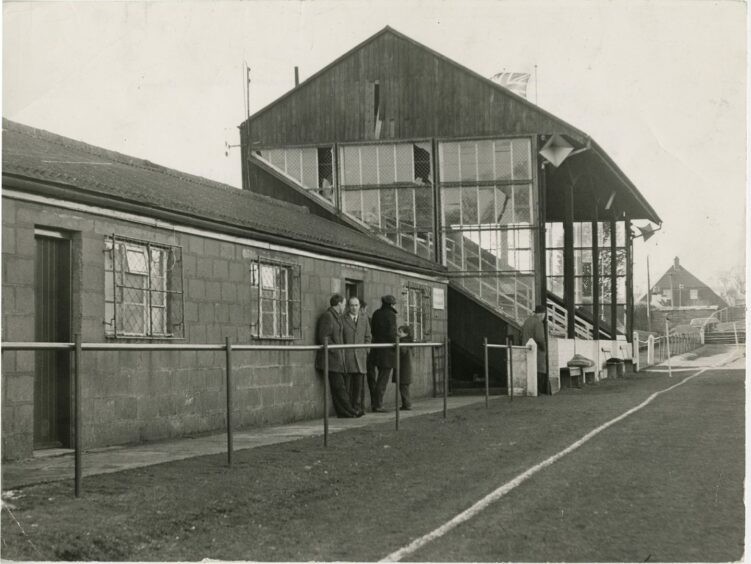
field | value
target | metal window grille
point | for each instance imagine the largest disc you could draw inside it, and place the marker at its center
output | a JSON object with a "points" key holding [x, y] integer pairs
{"points": [[143, 289], [276, 300], [417, 305]]}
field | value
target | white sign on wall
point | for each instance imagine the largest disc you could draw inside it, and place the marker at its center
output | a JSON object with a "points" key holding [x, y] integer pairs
{"points": [[439, 300]]}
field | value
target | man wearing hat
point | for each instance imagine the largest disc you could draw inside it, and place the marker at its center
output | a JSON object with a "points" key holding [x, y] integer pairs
{"points": [[383, 329], [534, 328]]}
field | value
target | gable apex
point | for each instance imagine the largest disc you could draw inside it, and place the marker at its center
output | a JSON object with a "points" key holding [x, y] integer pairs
{"points": [[566, 128]]}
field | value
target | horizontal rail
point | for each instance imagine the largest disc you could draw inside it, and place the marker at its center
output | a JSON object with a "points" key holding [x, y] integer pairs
{"points": [[517, 347], [41, 346]]}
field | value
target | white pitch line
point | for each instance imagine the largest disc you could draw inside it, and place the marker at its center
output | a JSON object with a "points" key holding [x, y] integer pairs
{"points": [[497, 494]]}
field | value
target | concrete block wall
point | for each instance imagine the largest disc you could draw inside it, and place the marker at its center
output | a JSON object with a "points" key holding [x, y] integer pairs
{"points": [[131, 396], [18, 325]]}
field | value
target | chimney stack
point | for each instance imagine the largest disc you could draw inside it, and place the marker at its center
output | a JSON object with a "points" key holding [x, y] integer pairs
{"points": [[676, 263], [297, 77]]}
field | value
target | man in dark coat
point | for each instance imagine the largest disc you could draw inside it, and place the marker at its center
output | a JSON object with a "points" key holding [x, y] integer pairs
{"points": [[534, 328], [330, 327], [383, 328], [356, 331]]}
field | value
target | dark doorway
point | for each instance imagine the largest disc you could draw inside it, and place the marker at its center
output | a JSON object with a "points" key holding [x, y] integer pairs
{"points": [[52, 324], [353, 288]]}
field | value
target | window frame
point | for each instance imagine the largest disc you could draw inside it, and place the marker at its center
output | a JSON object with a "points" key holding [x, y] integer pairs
{"points": [[411, 291], [292, 299], [171, 297]]}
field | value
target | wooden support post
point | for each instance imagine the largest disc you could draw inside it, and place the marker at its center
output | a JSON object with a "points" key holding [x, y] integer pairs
{"points": [[568, 261]]}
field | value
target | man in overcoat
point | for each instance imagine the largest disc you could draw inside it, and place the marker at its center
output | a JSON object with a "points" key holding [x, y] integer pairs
{"points": [[383, 326], [356, 330], [330, 327], [534, 328]]}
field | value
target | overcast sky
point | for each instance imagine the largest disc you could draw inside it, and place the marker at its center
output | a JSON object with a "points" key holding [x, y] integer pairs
{"points": [[660, 85]]}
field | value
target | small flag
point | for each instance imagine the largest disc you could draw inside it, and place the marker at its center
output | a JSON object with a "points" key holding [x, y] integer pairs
{"points": [[514, 81]]}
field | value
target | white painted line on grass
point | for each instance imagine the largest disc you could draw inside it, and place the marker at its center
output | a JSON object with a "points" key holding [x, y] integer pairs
{"points": [[497, 494]]}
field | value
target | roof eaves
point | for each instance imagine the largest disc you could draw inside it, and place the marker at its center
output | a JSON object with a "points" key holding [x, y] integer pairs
{"points": [[613, 166], [56, 188]]}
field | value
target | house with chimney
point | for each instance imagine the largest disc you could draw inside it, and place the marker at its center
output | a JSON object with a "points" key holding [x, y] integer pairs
{"points": [[680, 296]]}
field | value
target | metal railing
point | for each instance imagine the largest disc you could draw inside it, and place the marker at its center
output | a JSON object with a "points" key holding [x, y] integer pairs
{"points": [[77, 347], [663, 348], [509, 347]]}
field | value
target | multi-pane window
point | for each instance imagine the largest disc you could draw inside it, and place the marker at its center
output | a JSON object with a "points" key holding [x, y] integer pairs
{"points": [[417, 304], [583, 274], [612, 263], [554, 251], [142, 289], [488, 220], [312, 167], [389, 188], [275, 300]]}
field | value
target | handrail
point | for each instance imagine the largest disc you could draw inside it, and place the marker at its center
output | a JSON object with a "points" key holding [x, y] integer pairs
{"points": [[716, 313], [53, 346], [77, 347]]}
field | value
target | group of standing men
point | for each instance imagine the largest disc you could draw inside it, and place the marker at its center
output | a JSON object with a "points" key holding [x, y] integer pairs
{"points": [[347, 323]]}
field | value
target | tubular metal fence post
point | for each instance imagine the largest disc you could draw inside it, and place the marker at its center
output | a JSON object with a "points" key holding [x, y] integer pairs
{"points": [[77, 392], [485, 367], [447, 367], [325, 391], [667, 340], [398, 381], [510, 352], [229, 400]]}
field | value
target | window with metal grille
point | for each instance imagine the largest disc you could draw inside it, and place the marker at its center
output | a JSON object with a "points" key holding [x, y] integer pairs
{"points": [[275, 303], [143, 289], [417, 306]]}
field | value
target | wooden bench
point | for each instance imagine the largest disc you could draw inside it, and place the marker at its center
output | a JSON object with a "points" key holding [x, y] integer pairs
{"points": [[575, 374]]}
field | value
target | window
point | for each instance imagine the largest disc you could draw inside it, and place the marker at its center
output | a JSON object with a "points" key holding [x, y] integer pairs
{"points": [[312, 167], [693, 294], [388, 187], [275, 300], [142, 289], [488, 220], [416, 303]]}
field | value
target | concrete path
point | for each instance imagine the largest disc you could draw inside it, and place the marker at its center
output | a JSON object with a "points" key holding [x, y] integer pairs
{"points": [[58, 464], [703, 357]]}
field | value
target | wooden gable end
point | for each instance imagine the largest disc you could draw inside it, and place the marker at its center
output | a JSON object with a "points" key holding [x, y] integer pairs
{"points": [[415, 92]]}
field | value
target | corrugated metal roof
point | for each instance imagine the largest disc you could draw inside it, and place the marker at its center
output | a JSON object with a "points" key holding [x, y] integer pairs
{"points": [[38, 155]]}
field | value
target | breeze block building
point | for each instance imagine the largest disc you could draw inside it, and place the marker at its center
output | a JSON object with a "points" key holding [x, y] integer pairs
{"points": [[118, 249]]}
